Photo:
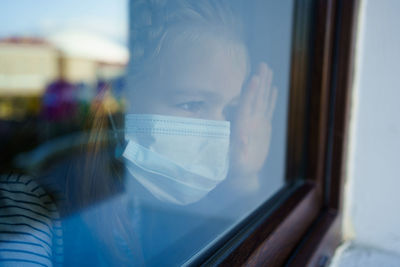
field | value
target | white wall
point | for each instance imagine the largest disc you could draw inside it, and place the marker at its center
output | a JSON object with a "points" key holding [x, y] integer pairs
{"points": [[372, 203]]}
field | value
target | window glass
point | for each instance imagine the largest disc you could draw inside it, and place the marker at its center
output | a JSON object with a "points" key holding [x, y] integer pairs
{"points": [[138, 132]]}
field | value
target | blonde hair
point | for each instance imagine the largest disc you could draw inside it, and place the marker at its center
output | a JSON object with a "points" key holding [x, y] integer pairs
{"points": [[156, 24]]}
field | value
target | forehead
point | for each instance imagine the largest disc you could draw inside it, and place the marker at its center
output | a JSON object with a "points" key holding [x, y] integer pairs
{"points": [[208, 63]]}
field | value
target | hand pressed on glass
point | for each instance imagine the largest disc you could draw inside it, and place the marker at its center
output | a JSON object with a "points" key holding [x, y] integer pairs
{"points": [[251, 128]]}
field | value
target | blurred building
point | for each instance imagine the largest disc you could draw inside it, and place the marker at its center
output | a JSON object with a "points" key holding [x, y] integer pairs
{"points": [[29, 65], [26, 66], [87, 57]]}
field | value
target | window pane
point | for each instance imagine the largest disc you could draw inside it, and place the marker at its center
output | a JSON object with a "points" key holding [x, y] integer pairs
{"points": [[138, 132]]}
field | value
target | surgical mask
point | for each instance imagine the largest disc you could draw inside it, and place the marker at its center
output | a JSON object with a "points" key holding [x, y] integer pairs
{"points": [[179, 160]]}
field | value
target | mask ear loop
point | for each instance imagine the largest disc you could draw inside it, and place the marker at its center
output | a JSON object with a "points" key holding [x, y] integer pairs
{"points": [[120, 148]]}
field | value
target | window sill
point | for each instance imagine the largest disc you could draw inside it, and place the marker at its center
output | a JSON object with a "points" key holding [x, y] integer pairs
{"points": [[351, 254]]}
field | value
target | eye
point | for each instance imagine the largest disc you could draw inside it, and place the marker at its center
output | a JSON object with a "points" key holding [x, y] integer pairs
{"points": [[192, 106]]}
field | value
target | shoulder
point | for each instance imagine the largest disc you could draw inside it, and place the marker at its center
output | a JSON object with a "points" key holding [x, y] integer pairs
{"points": [[30, 229]]}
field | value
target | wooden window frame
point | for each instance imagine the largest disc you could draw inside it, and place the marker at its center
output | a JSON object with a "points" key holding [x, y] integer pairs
{"points": [[301, 224]]}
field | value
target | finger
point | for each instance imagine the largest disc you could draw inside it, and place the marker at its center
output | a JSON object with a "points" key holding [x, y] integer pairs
{"points": [[268, 87], [272, 103], [249, 96], [269, 77], [266, 75], [260, 104], [264, 71]]}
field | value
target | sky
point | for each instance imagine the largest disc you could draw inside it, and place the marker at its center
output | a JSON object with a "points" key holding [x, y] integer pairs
{"points": [[108, 18]]}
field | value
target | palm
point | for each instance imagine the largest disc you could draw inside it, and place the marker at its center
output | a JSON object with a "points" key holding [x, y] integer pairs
{"points": [[251, 129]]}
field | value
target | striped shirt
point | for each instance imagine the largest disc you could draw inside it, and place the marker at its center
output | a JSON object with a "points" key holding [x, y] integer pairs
{"points": [[30, 226]]}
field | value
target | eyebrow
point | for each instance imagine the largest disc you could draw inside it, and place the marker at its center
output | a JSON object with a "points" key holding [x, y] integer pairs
{"points": [[197, 92], [200, 92]]}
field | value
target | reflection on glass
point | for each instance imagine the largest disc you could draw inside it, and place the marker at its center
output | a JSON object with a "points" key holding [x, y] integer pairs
{"points": [[145, 163]]}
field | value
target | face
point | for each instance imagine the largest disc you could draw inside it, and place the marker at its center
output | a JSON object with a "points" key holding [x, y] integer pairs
{"points": [[196, 79]]}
